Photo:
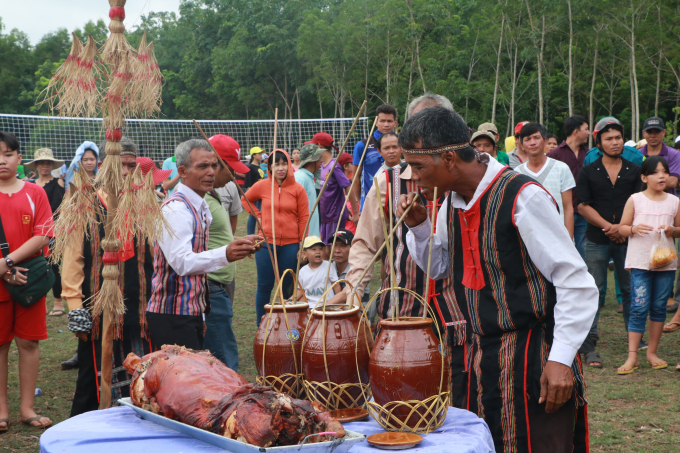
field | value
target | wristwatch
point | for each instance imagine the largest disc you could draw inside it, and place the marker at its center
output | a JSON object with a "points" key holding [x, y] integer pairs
{"points": [[10, 262]]}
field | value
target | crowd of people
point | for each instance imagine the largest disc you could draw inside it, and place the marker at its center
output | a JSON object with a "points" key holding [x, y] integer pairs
{"points": [[606, 207]]}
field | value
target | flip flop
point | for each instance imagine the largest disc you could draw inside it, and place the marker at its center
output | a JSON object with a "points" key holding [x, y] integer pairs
{"points": [[56, 313], [4, 429], [658, 367], [627, 371], [676, 326], [37, 418]]}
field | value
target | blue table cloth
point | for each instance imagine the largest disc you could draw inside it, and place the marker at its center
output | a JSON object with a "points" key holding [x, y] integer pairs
{"points": [[120, 430]]}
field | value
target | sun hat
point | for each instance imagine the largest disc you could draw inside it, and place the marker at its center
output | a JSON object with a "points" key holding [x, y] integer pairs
{"points": [[310, 152], [311, 241], [488, 127], [147, 164], [44, 154], [230, 151], [485, 134]]}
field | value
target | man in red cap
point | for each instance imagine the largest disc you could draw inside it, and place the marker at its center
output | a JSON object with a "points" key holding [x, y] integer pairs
{"points": [[517, 156], [223, 201], [333, 198]]}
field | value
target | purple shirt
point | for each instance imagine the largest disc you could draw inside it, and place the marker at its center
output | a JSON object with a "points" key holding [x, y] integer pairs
{"points": [[563, 153], [325, 169], [672, 156], [333, 198]]}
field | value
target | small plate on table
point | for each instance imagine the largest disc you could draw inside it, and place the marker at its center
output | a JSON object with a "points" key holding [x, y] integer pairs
{"points": [[394, 441], [349, 415]]}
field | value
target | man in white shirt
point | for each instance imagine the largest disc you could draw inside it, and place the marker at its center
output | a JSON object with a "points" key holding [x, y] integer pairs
{"points": [[182, 259], [552, 174], [528, 292]]}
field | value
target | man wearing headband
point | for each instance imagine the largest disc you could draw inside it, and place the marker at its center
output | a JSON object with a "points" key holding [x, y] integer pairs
{"points": [[530, 299]]}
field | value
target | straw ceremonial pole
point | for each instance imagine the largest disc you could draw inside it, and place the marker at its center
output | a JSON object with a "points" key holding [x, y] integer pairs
{"points": [[259, 224], [426, 296], [323, 188], [271, 163]]}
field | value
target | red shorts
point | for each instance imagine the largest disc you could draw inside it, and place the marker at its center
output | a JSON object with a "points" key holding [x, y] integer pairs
{"points": [[26, 323]]}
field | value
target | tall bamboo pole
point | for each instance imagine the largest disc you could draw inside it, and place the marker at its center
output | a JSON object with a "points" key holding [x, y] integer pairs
{"points": [[271, 163]]}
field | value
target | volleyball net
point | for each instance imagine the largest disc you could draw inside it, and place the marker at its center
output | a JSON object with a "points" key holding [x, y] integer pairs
{"points": [[157, 139]]}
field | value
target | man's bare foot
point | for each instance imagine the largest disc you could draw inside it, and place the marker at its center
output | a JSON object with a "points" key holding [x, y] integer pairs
{"points": [[656, 362], [631, 365], [677, 367]]}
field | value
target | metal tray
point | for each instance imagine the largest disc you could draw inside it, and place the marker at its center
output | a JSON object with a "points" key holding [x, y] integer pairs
{"points": [[341, 445]]}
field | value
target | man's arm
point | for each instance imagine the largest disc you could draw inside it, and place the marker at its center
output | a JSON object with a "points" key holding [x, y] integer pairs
{"points": [[568, 212], [367, 240], [553, 253], [418, 239], [72, 277], [177, 249], [233, 221], [170, 183]]}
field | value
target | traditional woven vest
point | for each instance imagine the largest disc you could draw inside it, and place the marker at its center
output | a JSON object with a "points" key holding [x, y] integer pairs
{"points": [[510, 308], [170, 292], [410, 276]]}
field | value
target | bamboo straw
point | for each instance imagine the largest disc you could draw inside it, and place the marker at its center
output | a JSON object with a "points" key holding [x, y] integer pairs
{"points": [[271, 164], [252, 209], [429, 255], [394, 300], [389, 252], [380, 249], [323, 188]]}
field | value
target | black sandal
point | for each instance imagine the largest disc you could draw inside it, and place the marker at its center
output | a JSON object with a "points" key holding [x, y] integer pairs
{"points": [[594, 357]]}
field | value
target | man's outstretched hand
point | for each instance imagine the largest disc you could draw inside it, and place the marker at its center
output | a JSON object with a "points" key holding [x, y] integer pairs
{"points": [[417, 214], [242, 247], [557, 386]]}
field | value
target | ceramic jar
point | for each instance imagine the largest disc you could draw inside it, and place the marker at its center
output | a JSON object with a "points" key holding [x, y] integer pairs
{"points": [[278, 357], [342, 352], [406, 364]]}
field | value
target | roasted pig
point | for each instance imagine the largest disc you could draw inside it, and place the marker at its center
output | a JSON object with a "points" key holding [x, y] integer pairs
{"points": [[197, 389]]}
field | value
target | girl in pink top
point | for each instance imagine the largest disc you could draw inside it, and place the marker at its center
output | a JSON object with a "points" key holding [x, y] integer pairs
{"points": [[646, 214]]}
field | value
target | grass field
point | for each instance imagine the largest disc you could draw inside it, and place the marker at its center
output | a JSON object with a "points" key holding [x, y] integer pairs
{"points": [[635, 413]]}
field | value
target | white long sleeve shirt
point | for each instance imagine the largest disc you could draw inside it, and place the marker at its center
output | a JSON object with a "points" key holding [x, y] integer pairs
{"points": [[177, 247], [550, 248]]}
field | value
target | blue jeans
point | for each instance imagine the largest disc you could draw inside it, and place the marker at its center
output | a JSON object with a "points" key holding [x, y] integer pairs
{"points": [[266, 280], [580, 225], [650, 291], [251, 226], [220, 338], [597, 260]]}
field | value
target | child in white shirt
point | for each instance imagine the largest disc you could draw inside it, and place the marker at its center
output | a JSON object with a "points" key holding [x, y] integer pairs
{"points": [[312, 277]]}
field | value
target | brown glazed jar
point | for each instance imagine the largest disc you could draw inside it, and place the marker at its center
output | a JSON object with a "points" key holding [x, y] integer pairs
{"points": [[406, 364], [279, 354], [342, 325]]}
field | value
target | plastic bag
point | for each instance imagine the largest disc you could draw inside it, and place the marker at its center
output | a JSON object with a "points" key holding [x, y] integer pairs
{"points": [[662, 253]]}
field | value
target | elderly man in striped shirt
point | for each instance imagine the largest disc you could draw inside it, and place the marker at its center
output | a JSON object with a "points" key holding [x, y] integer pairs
{"points": [[182, 259]]}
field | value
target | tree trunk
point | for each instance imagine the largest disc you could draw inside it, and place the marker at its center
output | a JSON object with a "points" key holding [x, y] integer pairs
{"points": [[498, 72], [470, 69], [570, 89], [633, 121], [591, 113], [658, 84], [540, 73], [635, 81]]}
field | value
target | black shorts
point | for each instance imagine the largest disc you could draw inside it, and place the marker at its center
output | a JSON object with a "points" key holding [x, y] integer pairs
{"points": [[182, 330]]}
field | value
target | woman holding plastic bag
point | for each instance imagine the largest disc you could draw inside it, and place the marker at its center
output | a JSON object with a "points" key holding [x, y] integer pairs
{"points": [[651, 219]]}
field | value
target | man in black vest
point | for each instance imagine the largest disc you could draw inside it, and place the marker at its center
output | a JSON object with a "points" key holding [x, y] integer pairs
{"points": [[521, 284]]}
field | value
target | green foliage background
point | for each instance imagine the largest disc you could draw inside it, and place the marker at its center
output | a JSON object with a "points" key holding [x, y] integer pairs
{"points": [[240, 59]]}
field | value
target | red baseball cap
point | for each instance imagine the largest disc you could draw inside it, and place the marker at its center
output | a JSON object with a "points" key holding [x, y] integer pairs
{"points": [[147, 165], [344, 158], [519, 127], [230, 151], [323, 139]]}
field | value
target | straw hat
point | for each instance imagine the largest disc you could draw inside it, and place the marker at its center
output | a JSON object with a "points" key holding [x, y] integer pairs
{"points": [[44, 154]]}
